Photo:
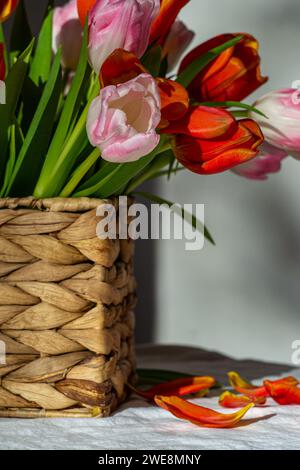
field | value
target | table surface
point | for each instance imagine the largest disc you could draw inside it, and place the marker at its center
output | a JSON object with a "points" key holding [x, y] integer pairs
{"points": [[138, 425]]}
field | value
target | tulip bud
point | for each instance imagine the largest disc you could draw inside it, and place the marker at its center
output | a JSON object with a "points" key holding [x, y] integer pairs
{"points": [[119, 24], [67, 33], [281, 126], [7, 7], [178, 40], [122, 120], [2, 75], [267, 161]]}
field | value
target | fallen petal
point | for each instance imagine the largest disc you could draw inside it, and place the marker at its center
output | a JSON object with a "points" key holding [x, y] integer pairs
{"points": [[283, 393], [180, 387], [199, 415], [231, 400]]}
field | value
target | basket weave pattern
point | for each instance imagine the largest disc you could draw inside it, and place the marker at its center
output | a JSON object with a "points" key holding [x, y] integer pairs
{"points": [[66, 310]]}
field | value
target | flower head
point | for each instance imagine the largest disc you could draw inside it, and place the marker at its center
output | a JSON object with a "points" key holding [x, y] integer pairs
{"points": [[122, 120], [232, 76], [281, 126], [121, 24]]}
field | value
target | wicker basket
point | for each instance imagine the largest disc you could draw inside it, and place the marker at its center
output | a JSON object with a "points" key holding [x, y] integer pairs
{"points": [[66, 310]]}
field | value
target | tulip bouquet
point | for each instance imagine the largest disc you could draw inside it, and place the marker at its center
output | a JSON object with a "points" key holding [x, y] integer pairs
{"points": [[90, 107]]}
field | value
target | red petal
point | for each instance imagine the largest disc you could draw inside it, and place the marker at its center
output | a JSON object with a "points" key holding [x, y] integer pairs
{"points": [[174, 99], [120, 67], [203, 122], [7, 7], [169, 11], [83, 7], [231, 400], [179, 387], [243, 386], [283, 393], [199, 415]]}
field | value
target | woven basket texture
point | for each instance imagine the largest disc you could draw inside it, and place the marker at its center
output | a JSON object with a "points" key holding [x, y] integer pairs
{"points": [[66, 310]]}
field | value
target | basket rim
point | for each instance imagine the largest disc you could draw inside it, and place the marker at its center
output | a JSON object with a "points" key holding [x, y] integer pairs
{"points": [[55, 204]]}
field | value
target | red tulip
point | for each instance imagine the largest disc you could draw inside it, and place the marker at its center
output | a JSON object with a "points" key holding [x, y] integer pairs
{"points": [[169, 10], [7, 7], [233, 76], [210, 155]]}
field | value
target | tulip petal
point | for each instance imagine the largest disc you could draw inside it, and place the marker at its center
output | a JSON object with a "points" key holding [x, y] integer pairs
{"points": [[236, 380], [179, 387], [169, 11], [84, 6], [174, 99], [120, 67], [283, 393], [231, 400], [203, 122], [243, 386], [203, 417], [7, 7]]}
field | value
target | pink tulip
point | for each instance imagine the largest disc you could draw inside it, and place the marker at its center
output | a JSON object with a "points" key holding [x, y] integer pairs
{"points": [[281, 127], [122, 120], [67, 33], [178, 40], [268, 161], [119, 24]]}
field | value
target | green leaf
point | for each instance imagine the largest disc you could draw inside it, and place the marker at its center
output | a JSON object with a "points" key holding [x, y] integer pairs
{"points": [[21, 34], [53, 177], [158, 376], [152, 60], [41, 63], [232, 104], [158, 163], [14, 84], [79, 173], [118, 175], [31, 156], [187, 76], [16, 142], [184, 214]]}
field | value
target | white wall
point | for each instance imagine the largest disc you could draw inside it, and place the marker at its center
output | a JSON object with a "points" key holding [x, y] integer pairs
{"points": [[243, 296]]}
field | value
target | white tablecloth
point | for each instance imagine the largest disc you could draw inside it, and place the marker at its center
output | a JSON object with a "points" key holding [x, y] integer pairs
{"points": [[138, 425]]}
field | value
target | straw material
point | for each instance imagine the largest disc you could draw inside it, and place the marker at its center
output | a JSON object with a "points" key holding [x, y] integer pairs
{"points": [[66, 310]]}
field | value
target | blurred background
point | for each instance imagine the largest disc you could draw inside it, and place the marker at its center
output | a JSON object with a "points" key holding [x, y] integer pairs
{"points": [[241, 297]]}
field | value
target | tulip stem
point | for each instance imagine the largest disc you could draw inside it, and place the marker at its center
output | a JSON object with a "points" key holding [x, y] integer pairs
{"points": [[79, 173], [161, 161]]}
